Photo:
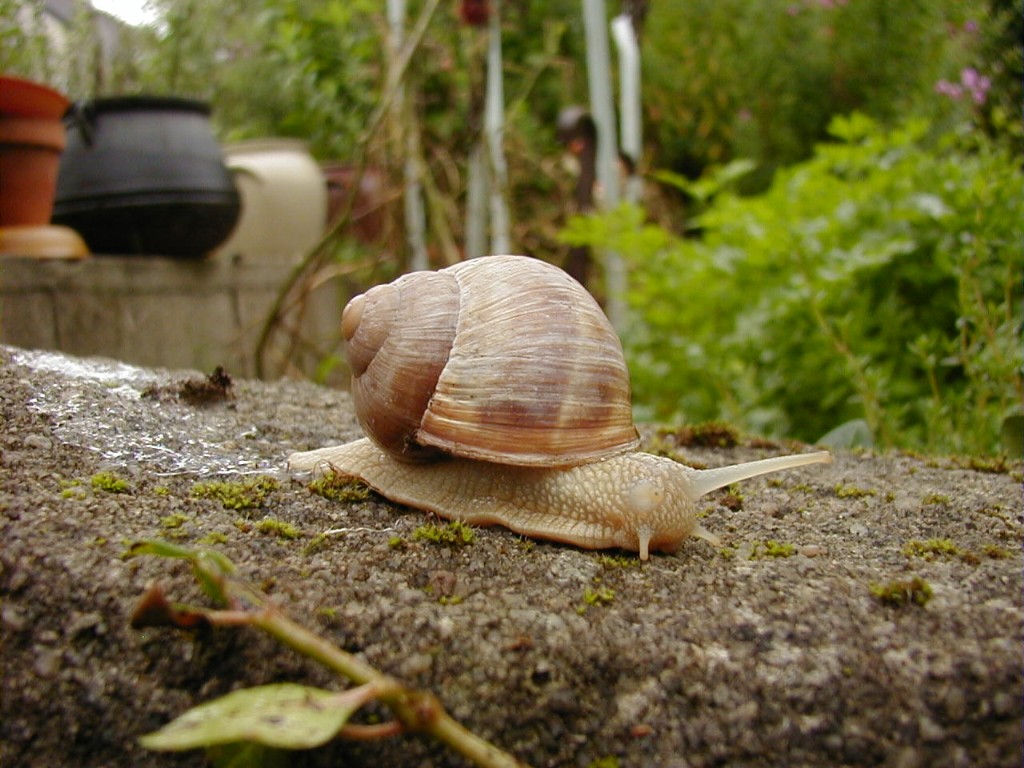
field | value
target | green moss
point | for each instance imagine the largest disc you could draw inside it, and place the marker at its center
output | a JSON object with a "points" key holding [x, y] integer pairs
{"points": [[712, 434], [249, 494], [176, 520], [337, 487], [771, 548], [315, 544], [72, 489], [733, 500], [443, 599], [618, 561], [599, 596], [996, 465], [727, 553], [455, 533], [607, 761], [327, 611], [108, 482], [162, 490], [932, 548], [916, 591], [279, 528], [396, 542], [935, 498], [852, 492], [946, 548], [996, 552], [659, 446]]}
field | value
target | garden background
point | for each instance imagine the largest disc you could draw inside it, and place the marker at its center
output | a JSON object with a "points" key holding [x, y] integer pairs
{"points": [[830, 234]]}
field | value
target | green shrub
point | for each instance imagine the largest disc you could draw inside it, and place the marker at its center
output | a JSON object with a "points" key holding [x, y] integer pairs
{"points": [[878, 280]]}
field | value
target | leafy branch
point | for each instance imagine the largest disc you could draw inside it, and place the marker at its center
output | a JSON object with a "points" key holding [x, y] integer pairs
{"points": [[288, 716]]}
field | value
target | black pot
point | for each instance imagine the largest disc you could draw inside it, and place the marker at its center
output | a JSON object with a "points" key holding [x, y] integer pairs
{"points": [[144, 175]]}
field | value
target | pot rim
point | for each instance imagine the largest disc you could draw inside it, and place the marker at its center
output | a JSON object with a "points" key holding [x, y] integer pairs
{"points": [[34, 132], [27, 98], [143, 103]]}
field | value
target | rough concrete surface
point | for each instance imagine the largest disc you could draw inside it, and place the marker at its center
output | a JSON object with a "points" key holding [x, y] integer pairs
{"points": [[705, 658]]}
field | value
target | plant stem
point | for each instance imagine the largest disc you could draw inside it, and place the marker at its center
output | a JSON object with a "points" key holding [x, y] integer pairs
{"points": [[417, 710], [300, 639]]}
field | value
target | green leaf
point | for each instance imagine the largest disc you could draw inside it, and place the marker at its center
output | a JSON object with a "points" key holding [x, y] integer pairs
{"points": [[855, 433], [210, 567], [711, 183], [161, 549], [248, 755], [210, 570], [284, 715]]}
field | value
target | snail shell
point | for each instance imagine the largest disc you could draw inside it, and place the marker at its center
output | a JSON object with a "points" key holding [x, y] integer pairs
{"points": [[503, 359], [506, 368]]}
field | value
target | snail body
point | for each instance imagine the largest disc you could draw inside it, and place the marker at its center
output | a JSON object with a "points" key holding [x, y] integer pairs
{"points": [[525, 421]]}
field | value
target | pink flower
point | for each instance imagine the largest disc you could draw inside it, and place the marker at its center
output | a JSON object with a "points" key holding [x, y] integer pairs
{"points": [[972, 83], [976, 83], [946, 88]]}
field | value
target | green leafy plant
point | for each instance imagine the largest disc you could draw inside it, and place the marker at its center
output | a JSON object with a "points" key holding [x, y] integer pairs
{"points": [[878, 280], [285, 715]]}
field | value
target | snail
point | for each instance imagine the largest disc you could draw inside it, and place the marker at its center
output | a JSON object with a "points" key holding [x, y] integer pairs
{"points": [[495, 391]]}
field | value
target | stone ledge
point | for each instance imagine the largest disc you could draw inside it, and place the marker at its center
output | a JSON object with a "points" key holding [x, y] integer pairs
{"points": [[151, 310], [693, 660]]}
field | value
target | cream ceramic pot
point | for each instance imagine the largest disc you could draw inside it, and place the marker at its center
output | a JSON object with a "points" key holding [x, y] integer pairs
{"points": [[284, 201]]}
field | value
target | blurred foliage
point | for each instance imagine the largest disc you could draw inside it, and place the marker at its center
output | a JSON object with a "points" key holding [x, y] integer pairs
{"points": [[84, 54], [762, 80], [307, 69], [24, 50], [875, 277], [759, 79], [879, 279]]}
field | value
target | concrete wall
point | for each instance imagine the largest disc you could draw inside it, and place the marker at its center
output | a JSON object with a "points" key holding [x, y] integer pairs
{"points": [[159, 312]]}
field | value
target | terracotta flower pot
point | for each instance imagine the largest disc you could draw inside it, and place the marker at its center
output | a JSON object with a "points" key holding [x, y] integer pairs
{"points": [[31, 140]]}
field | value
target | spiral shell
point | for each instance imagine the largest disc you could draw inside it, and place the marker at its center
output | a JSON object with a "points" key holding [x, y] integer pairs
{"points": [[505, 359]]}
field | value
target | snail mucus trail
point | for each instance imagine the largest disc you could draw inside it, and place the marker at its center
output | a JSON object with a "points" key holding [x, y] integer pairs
{"points": [[495, 392]]}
